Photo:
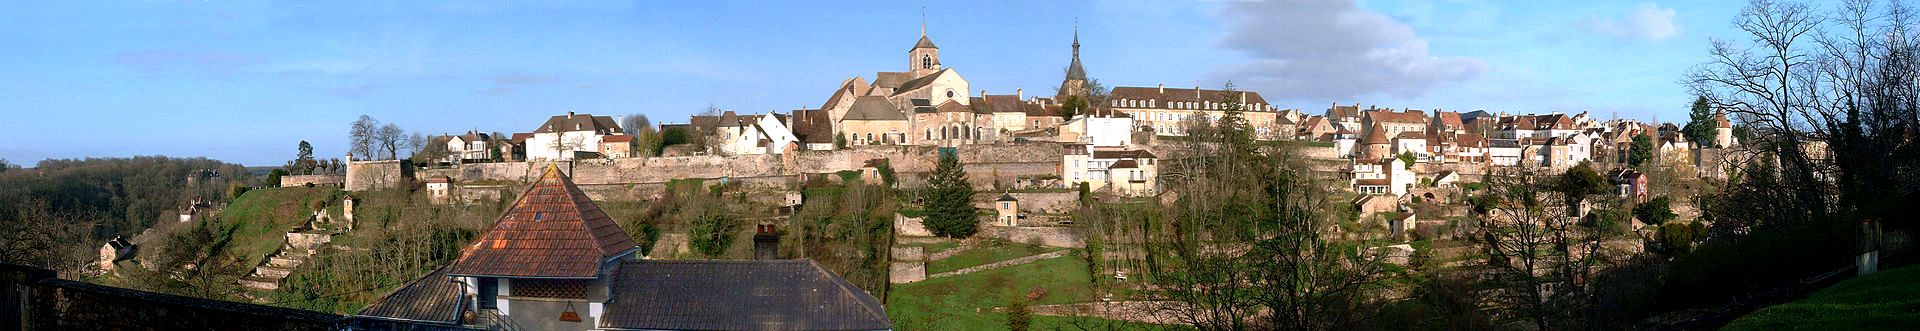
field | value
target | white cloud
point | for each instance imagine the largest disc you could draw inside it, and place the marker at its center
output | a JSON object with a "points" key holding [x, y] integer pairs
{"points": [[1649, 21], [1324, 50]]}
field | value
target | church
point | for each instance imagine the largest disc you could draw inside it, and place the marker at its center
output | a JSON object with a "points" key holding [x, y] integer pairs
{"points": [[931, 104]]}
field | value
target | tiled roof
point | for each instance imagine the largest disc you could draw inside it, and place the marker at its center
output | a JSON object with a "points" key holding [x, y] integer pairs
{"points": [[553, 231], [1034, 110], [616, 138], [1389, 116], [431, 298], [1448, 119], [1375, 135], [1124, 164], [1163, 99], [953, 107], [852, 87], [1338, 111], [1411, 135], [1372, 182], [1006, 197], [874, 108], [999, 103], [738, 295]]}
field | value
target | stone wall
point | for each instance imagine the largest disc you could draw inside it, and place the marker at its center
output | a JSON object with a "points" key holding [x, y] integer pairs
{"points": [[1050, 236], [1034, 202], [315, 180], [365, 175], [985, 164], [34, 299]]}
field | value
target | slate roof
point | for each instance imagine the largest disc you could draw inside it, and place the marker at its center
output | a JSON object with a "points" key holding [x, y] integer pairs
{"points": [[433, 298], [999, 103], [891, 80], [1337, 111], [813, 126], [874, 108], [1448, 119], [738, 295], [553, 231], [1006, 197], [852, 87], [579, 122], [953, 107], [924, 43], [923, 81], [1124, 164], [1122, 154]]}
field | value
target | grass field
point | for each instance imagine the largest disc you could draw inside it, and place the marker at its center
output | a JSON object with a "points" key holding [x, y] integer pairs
{"points": [[966, 302], [984, 254], [1888, 300]]}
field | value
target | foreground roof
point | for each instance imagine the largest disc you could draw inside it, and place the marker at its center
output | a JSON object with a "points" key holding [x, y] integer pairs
{"points": [[433, 298], [738, 295], [553, 231]]}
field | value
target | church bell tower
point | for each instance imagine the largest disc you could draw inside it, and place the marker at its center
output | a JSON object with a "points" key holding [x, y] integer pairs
{"points": [[924, 58]]}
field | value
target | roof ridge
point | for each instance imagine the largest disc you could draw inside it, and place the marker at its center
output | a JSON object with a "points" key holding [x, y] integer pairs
{"points": [[846, 290]]}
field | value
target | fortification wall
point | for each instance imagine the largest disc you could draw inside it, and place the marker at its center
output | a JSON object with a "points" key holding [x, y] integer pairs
{"points": [[315, 180], [985, 164], [365, 175]]}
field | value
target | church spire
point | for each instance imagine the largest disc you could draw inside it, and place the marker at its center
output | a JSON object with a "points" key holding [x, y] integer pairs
{"points": [[1074, 72]]}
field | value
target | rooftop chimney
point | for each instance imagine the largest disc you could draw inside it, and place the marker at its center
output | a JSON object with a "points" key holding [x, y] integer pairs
{"points": [[766, 242], [569, 114], [1019, 93], [1163, 87]]}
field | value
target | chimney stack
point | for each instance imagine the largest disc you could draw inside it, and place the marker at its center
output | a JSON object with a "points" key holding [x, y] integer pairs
{"points": [[569, 114], [1163, 88], [766, 242]]}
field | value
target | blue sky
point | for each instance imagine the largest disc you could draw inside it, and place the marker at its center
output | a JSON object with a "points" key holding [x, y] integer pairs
{"points": [[245, 81]]}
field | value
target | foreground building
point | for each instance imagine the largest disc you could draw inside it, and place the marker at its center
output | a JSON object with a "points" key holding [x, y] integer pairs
{"points": [[555, 261]]}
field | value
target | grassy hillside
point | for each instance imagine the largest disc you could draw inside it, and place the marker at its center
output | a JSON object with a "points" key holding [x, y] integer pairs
{"points": [[1888, 300], [258, 221]]}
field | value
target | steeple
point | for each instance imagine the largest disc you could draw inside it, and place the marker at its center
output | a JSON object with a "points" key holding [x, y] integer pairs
{"points": [[1075, 83], [924, 58]]}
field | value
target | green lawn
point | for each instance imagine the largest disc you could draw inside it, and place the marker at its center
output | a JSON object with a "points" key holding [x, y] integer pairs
{"points": [[989, 252], [1887, 300], [964, 302]]}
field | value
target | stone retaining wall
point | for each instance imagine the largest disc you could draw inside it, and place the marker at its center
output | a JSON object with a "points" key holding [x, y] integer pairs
{"points": [[1051, 236]]}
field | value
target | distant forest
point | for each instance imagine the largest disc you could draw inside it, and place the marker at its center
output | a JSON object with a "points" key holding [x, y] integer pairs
{"points": [[57, 209]]}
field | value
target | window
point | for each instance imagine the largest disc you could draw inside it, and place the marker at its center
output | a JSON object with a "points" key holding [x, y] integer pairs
{"points": [[926, 62], [1006, 205], [869, 137], [949, 93]]}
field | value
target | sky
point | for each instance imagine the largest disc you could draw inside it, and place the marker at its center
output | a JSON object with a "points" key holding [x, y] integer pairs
{"points": [[245, 81]]}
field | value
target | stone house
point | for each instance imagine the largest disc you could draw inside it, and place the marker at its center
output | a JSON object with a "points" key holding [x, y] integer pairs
{"points": [[1395, 122], [1007, 210], [114, 251]]}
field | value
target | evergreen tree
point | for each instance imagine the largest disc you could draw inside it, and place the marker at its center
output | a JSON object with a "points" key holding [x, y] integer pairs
{"points": [[1640, 151], [950, 211], [1700, 124]]}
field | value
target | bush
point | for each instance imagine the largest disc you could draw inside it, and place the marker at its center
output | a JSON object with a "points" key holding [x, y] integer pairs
{"points": [[1656, 211]]}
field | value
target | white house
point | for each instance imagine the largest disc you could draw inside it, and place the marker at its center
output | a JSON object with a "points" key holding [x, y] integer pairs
{"points": [[754, 134], [564, 137], [1100, 129], [1388, 177], [1123, 171], [1411, 142]]}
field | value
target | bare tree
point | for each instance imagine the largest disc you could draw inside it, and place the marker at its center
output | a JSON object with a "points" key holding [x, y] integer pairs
{"points": [[388, 140], [361, 137], [636, 123]]}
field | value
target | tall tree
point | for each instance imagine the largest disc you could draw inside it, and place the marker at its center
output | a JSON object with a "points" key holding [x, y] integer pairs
{"points": [[949, 198], [303, 160], [361, 137], [1246, 242], [388, 140], [1521, 235], [1700, 123], [1640, 151]]}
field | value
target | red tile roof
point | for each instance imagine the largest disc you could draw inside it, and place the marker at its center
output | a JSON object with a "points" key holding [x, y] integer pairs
{"points": [[553, 231]]}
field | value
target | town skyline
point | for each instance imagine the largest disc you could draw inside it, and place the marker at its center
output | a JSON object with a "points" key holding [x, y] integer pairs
{"points": [[192, 75]]}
